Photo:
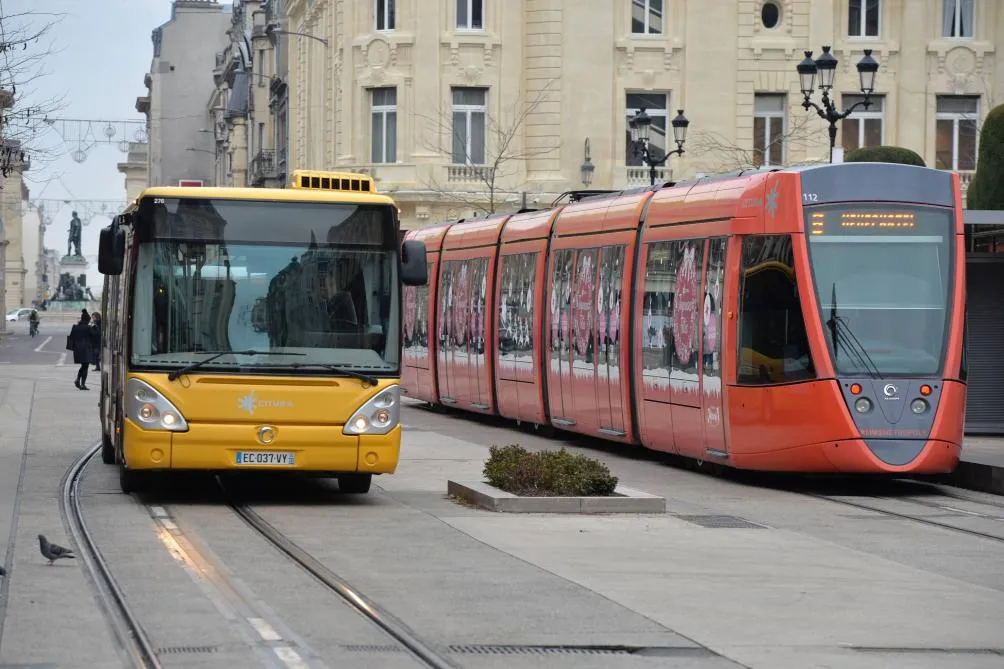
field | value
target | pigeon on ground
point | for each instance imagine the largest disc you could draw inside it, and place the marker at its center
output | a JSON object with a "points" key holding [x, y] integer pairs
{"points": [[52, 552]]}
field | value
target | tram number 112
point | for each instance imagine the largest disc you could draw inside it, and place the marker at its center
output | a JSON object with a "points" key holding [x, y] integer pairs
{"points": [[810, 197]]}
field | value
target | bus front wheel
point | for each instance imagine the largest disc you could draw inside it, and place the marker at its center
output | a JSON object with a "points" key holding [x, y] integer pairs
{"points": [[107, 449], [131, 480], [354, 484]]}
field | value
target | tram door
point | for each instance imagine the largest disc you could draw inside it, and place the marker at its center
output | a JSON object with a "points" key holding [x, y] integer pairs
{"points": [[711, 350], [608, 341]]}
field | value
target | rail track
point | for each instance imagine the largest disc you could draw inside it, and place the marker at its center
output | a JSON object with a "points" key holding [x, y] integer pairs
{"points": [[926, 503], [396, 629], [125, 624]]}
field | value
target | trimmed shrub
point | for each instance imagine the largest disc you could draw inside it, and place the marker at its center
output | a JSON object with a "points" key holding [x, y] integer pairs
{"points": [[986, 190], [884, 154], [547, 474]]}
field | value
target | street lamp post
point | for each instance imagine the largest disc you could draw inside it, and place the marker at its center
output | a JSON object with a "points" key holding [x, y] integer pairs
{"points": [[826, 67], [641, 130]]}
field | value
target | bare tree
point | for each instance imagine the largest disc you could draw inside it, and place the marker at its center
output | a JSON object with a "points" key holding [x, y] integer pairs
{"points": [[479, 185], [25, 46], [716, 153]]}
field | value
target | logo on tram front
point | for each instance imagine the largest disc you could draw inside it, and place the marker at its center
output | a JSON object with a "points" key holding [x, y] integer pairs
{"points": [[890, 391]]}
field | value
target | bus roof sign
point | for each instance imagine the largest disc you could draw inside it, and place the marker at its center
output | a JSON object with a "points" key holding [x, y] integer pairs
{"points": [[333, 181]]}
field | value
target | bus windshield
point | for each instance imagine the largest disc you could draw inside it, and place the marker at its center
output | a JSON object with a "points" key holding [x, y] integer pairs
{"points": [[882, 275], [297, 285]]}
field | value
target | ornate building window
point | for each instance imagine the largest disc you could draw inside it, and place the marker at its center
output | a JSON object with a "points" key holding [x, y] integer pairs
{"points": [[647, 17], [863, 18], [383, 125], [865, 127], [655, 105], [957, 18], [385, 15], [956, 124], [770, 15], [469, 110], [768, 128], [470, 14]]}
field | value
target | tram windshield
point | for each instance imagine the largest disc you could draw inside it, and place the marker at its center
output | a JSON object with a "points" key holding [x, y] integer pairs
{"points": [[882, 275], [266, 286]]}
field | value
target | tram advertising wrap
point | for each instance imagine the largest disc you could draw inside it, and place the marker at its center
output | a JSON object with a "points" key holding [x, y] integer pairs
{"points": [[807, 319]]}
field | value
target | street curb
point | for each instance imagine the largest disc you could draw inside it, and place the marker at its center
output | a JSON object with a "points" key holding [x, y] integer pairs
{"points": [[976, 476], [626, 500]]}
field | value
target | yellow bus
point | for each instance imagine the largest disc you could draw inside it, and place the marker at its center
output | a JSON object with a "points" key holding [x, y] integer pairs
{"points": [[255, 329]]}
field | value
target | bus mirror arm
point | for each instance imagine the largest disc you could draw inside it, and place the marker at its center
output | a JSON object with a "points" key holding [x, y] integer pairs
{"points": [[414, 271]]}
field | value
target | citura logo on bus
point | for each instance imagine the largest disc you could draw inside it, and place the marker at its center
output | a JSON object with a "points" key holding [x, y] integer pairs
{"points": [[249, 403], [890, 390]]}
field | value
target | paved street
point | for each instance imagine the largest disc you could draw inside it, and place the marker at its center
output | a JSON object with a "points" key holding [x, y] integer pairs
{"points": [[46, 348], [911, 581]]}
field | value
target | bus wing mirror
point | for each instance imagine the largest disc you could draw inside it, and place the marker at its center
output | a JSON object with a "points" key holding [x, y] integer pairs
{"points": [[111, 250], [414, 271]]}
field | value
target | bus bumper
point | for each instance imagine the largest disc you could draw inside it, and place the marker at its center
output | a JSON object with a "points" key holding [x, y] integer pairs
{"points": [[214, 447]]}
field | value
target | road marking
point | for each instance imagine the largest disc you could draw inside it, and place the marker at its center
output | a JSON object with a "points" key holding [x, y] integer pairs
{"points": [[38, 349], [62, 359], [158, 512], [264, 630], [290, 657]]}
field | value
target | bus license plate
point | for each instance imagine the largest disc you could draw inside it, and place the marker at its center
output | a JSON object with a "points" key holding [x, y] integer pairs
{"points": [[266, 458]]}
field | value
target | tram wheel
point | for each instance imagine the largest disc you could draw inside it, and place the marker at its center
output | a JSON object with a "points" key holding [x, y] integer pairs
{"points": [[354, 484]]}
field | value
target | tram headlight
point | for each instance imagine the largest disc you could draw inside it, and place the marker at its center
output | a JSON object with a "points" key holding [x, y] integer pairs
{"points": [[151, 410], [379, 415], [918, 406], [863, 405]]}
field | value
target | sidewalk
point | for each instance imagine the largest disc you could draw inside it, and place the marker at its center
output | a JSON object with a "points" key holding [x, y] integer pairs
{"points": [[814, 587], [982, 465]]}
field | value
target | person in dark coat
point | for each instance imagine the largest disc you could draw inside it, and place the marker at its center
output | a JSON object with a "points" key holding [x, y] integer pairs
{"points": [[96, 341], [81, 338]]}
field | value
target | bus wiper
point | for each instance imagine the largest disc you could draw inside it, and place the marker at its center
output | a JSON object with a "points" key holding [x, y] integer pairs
{"points": [[365, 378], [219, 354]]}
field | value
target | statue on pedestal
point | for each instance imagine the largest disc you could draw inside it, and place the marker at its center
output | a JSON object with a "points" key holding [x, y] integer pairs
{"points": [[74, 237]]}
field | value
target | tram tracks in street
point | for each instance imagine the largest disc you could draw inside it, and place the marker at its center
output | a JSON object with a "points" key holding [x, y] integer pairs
{"points": [[880, 504], [128, 630], [403, 635]]}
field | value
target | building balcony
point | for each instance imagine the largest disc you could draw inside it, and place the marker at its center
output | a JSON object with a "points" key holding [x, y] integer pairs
{"points": [[264, 167], [965, 178], [468, 174], [639, 175]]}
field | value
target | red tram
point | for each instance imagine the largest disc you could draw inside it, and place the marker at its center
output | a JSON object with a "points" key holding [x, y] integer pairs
{"points": [[808, 319]]}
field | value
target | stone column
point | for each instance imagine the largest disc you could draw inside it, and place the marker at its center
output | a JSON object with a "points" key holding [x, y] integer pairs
{"points": [[239, 144]]}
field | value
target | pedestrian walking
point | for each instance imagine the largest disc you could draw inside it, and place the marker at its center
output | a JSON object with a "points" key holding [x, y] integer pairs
{"points": [[96, 341], [79, 341], [33, 323]]}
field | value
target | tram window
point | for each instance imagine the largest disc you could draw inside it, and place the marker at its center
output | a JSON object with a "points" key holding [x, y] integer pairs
{"points": [[462, 305], [516, 307], [416, 318], [773, 344]]}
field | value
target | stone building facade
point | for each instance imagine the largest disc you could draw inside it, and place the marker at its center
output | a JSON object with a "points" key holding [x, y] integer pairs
{"points": [[462, 105]]}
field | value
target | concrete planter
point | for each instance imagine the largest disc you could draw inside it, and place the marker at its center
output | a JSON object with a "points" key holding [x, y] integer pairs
{"points": [[624, 500]]}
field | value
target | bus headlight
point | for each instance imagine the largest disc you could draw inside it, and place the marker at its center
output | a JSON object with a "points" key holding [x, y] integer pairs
{"points": [[146, 407], [918, 406], [379, 415], [863, 405]]}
